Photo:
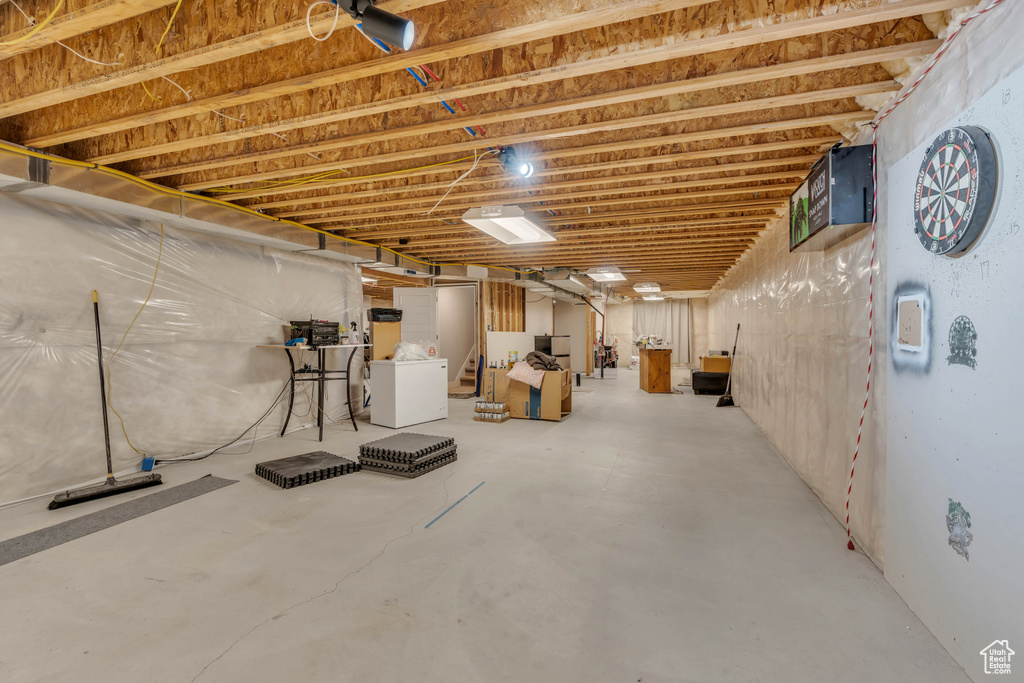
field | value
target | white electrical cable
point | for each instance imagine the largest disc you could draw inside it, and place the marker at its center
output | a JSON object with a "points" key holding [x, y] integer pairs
{"points": [[334, 25], [183, 91], [226, 116], [91, 61], [476, 161], [32, 21]]}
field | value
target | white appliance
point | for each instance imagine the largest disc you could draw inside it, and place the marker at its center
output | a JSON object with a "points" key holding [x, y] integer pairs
{"points": [[408, 392]]}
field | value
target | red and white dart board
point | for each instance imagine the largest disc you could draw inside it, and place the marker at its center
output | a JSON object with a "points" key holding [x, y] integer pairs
{"points": [[955, 191]]}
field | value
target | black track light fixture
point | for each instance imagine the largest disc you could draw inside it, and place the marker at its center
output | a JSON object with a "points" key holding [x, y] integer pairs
{"points": [[513, 163], [377, 23]]}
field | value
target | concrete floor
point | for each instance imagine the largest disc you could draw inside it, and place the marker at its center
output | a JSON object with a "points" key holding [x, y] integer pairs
{"points": [[645, 538]]}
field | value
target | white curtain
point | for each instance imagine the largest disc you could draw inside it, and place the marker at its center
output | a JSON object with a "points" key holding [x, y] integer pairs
{"points": [[669, 320]]}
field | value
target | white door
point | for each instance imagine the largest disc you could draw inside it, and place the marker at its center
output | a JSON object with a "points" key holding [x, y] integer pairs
{"points": [[419, 314]]}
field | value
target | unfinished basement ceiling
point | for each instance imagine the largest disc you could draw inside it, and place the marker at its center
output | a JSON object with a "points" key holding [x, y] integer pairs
{"points": [[666, 134]]}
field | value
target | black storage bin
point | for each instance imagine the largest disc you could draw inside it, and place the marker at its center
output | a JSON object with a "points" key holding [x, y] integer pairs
{"points": [[709, 382]]}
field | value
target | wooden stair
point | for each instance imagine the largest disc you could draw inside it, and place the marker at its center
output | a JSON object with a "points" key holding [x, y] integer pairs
{"points": [[466, 386], [469, 376]]}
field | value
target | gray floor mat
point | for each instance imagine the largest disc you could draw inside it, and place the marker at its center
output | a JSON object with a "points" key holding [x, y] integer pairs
{"points": [[58, 534]]}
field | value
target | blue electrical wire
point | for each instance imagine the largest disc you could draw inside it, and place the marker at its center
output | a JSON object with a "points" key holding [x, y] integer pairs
{"points": [[419, 80]]}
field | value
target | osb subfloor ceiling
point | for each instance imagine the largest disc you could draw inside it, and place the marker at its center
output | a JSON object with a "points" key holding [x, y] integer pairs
{"points": [[666, 134]]}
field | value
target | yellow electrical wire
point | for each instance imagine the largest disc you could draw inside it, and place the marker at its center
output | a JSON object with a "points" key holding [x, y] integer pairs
{"points": [[170, 192], [110, 385], [169, 22], [320, 177], [148, 93], [37, 29]]}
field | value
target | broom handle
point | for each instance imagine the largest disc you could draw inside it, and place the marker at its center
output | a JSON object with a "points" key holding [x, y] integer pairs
{"points": [[735, 341], [103, 382]]}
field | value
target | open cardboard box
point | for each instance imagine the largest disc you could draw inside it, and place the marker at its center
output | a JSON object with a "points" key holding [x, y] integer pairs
{"points": [[715, 364], [494, 385], [552, 401]]}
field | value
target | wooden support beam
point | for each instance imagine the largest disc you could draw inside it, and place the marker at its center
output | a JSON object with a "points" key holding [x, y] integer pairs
{"points": [[76, 21], [389, 236], [567, 199], [710, 237], [816, 143], [459, 200], [758, 206], [626, 10], [532, 136], [658, 90], [232, 47], [401, 279], [681, 262], [632, 143], [688, 46], [471, 239], [625, 176], [542, 255], [406, 218], [674, 212]]}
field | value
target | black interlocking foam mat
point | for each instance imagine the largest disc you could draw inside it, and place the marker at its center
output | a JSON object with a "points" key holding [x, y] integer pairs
{"points": [[387, 467], [407, 465], [305, 469], [406, 446]]}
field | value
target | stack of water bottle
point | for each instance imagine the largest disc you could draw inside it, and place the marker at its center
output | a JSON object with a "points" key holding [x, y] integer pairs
{"points": [[491, 411]]}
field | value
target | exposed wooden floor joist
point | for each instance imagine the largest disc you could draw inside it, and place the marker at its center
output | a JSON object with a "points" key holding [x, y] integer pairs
{"points": [[666, 135]]}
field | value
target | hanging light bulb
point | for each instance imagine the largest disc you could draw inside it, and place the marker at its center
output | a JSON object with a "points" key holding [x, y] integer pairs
{"points": [[513, 164]]}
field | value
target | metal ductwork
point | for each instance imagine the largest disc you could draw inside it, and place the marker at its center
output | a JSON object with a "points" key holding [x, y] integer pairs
{"points": [[91, 188]]}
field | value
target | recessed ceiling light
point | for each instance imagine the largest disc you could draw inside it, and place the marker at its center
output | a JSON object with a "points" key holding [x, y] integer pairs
{"points": [[647, 287], [606, 274], [508, 224]]}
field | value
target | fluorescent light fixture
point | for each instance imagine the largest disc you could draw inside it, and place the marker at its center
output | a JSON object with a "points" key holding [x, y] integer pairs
{"points": [[606, 274], [508, 224], [564, 279], [653, 297], [369, 280], [647, 287]]}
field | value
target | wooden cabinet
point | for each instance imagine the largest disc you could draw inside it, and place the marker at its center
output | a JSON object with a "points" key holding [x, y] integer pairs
{"points": [[656, 370]]}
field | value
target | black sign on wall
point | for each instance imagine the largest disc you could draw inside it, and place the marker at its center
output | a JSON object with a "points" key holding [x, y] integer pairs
{"points": [[837, 191]]}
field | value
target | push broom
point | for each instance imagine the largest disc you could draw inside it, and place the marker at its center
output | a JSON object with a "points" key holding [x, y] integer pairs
{"points": [[726, 399], [111, 486]]}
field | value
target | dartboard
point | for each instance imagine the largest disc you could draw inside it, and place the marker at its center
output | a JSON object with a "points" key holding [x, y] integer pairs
{"points": [[955, 190]]}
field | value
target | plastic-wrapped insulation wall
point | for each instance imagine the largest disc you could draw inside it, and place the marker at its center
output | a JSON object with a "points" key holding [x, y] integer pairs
{"points": [[188, 378], [801, 366]]}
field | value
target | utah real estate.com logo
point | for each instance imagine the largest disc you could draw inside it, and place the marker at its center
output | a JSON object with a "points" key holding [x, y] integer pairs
{"points": [[997, 657]]}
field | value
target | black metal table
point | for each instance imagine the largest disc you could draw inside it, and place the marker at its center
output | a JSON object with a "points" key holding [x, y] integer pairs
{"points": [[319, 375]]}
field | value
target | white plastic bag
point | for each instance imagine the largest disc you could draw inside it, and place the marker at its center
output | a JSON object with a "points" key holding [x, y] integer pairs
{"points": [[409, 351]]}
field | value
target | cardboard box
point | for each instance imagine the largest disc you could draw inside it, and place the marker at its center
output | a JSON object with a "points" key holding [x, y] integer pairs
{"points": [[383, 337], [552, 401], [715, 364], [494, 385]]}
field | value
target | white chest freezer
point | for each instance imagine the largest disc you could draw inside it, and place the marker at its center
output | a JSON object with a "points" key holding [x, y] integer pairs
{"points": [[408, 392]]}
